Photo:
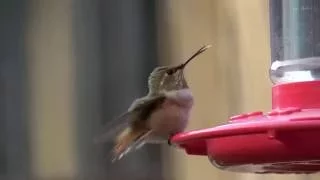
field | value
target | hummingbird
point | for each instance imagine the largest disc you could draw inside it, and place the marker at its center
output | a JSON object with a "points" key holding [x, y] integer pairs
{"points": [[156, 117]]}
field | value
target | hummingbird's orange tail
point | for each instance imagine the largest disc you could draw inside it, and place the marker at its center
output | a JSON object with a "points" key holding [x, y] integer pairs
{"points": [[128, 141]]}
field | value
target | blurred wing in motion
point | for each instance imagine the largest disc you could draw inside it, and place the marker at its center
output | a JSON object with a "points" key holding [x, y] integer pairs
{"points": [[140, 110], [117, 125], [135, 136]]}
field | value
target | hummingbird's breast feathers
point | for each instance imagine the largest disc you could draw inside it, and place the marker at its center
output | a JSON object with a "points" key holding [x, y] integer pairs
{"points": [[182, 97]]}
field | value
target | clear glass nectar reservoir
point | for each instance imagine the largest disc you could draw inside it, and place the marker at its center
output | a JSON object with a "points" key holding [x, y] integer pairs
{"points": [[295, 40]]}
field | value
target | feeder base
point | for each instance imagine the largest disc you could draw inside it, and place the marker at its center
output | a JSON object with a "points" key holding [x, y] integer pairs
{"points": [[285, 140]]}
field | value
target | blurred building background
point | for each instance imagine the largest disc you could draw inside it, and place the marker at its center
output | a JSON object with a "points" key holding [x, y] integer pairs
{"points": [[69, 66]]}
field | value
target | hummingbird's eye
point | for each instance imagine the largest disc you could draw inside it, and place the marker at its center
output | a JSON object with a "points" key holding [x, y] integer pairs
{"points": [[171, 71]]}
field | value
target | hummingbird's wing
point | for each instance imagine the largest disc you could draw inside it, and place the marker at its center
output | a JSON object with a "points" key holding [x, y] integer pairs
{"points": [[114, 126], [139, 110]]}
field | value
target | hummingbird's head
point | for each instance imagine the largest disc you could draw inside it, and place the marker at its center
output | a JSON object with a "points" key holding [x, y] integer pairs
{"points": [[168, 78]]}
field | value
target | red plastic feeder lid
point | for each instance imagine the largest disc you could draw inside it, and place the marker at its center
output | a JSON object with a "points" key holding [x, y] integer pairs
{"points": [[285, 140]]}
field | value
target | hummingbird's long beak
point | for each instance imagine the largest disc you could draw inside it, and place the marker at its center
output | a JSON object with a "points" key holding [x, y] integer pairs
{"points": [[201, 50]]}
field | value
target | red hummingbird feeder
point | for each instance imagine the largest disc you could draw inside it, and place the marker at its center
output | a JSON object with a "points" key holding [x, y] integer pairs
{"points": [[284, 140]]}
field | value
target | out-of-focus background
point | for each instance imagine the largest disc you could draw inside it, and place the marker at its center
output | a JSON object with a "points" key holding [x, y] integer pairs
{"points": [[68, 66]]}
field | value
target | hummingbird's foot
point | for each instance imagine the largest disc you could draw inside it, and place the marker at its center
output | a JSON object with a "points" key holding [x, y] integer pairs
{"points": [[169, 140], [172, 144]]}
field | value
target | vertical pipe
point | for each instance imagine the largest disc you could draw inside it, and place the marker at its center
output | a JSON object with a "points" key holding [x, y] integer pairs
{"points": [[50, 65]]}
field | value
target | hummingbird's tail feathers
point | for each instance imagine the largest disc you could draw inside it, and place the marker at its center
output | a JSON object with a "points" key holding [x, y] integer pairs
{"points": [[141, 140], [112, 128], [129, 141]]}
